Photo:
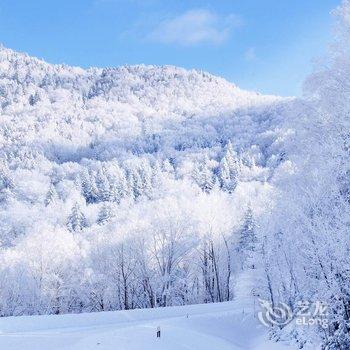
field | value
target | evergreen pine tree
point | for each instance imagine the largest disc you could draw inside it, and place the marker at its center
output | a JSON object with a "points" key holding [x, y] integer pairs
{"points": [[118, 184], [105, 214], [146, 173], [247, 240], [88, 186], [229, 169], [6, 181], [33, 99], [135, 183], [51, 195], [204, 176], [76, 220], [103, 185]]}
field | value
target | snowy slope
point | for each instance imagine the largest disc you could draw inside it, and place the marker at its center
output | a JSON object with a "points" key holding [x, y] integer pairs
{"points": [[220, 326], [155, 188], [100, 162], [131, 187], [67, 113], [229, 325]]}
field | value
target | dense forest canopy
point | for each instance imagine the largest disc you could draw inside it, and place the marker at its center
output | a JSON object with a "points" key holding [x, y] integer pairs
{"points": [[145, 186]]}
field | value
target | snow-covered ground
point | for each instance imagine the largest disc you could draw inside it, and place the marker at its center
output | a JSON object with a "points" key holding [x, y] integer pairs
{"points": [[230, 325], [220, 326]]}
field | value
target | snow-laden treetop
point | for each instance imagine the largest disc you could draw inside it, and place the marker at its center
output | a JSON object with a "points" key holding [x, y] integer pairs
{"points": [[62, 105]]}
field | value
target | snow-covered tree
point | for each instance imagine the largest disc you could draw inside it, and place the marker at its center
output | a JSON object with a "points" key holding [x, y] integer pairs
{"points": [[105, 214], [76, 220], [51, 195], [88, 185], [204, 176], [229, 169], [247, 243], [103, 185]]}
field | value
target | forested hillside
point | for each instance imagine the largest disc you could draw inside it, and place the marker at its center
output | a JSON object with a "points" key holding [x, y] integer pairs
{"points": [[128, 187], [145, 186]]}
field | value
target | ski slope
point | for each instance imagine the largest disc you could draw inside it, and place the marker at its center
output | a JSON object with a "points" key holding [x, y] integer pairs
{"points": [[222, 326]]}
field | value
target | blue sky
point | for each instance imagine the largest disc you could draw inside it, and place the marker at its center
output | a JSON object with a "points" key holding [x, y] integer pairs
{"points": [[264, 45]]}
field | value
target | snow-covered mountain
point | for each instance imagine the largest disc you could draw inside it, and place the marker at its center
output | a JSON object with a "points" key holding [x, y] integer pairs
{"points": [[119, 108], [117, 185], [143, 186]]}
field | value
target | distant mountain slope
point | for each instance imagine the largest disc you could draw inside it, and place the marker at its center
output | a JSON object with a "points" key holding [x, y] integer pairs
{"points": [[164, 88], [59, 108], [117, 185]]}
